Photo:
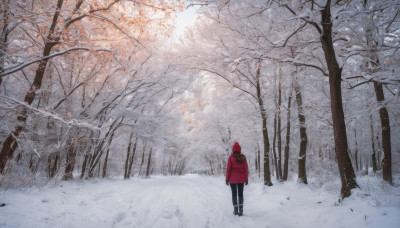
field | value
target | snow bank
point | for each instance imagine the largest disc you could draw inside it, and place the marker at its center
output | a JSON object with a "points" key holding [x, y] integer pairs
{"points": [[198, 201]]}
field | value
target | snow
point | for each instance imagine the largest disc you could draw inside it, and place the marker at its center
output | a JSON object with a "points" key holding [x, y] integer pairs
{"points": [[198, 201]]}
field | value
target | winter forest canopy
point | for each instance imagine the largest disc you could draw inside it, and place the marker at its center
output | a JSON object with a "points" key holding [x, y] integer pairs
{"points": [[108, 88]]}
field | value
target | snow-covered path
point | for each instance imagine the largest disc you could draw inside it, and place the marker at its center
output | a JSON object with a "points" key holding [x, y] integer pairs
{"points": [[192, 201]]}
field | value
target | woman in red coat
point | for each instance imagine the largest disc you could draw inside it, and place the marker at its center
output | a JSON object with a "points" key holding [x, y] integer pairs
{"points": [[237, 173]]}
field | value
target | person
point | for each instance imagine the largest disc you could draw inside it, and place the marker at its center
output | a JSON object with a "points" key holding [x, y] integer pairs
{"points": [[237, 173]]}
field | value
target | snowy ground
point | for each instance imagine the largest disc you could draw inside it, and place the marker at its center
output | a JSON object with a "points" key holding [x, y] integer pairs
{"points": [[197, 201]]}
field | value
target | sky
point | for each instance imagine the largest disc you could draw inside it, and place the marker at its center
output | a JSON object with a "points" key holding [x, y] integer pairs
{"points": [[184, 19]]}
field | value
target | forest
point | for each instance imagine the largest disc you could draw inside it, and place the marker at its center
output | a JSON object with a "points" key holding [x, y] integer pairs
{"points": [[103, 89], [108, 106]]}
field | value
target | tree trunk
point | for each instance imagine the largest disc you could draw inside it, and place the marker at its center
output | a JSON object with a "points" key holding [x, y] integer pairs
{"points": [[52, 164], [346, 170], [287, 143], [380, 97], [302, 175], [385, 125], [256, 162], [356, 152], [373, 157], [379, 153], [5, 7], [71, 155], [10, 144], [259, 161], [131, 159], [84, 165], [148, 163], [127, 157], [279, 127], [141, 163], [274, 150], [106, 158], [267, 173]]}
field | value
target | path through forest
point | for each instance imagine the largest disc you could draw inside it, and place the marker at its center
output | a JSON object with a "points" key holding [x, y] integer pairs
{"points": [[197, 201]]}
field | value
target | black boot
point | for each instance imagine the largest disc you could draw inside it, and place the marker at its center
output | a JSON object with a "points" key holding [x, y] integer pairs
{"points": [[240, 213], [235, 210]]}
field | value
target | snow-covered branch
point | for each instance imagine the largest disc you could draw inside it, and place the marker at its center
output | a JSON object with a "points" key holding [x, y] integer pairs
{"points": [[14, 69], [72, 122]]}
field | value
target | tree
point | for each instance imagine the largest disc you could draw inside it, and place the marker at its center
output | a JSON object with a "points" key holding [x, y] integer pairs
{"points": [[68, 28]]}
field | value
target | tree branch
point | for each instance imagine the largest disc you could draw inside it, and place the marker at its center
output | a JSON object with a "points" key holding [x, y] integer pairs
{"points": [[14, 69], [287, 39], [54, 116], [223, 77]]}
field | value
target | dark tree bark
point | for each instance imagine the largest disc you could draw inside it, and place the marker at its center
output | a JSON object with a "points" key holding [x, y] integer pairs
{"points": [[256, 163], [141, 163], [10, 144], [373, 157], [131, 159], [267, 173], [287, 143], [53, 164], [72, 143], [5, 7], [106, 158], [148, 163], [346, 170], [383, 113], [259, 161], [279, 127], [275, 158], [128, 151], [302, 175], [86, 161], [356, 150], [385, 125], [379, 153]]}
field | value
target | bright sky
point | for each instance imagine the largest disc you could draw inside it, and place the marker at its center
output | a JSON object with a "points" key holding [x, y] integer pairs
{"points": [[184, 19]]}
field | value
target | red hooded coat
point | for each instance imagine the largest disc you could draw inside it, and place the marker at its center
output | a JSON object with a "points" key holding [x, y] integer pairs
{"points": [[236, 172]]}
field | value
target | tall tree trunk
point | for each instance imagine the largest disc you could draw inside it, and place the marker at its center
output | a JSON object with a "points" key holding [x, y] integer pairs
{"points": [[52, 164], [373, 157], [256, 162], [106, 158], [379, 153], [131, 159], [267, 173], [141, 163], [127, 157], [10, 144], [86, 161], [356, 151], [5, 7], [274, 150], [302, 175], [72, 143], [148, 163], [380, 97], [385, 125], [259, 161], [287, 143], [346, 170], [279, 127]]}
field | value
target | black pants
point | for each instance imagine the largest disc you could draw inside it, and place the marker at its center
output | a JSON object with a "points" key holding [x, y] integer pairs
{"points": [[237, 191]]}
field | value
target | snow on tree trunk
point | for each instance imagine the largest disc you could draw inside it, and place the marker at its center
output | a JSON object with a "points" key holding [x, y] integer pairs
{"points": [[287, 143], [302, 175], [385, 125]]}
